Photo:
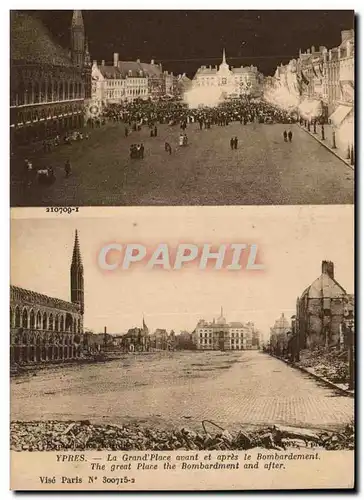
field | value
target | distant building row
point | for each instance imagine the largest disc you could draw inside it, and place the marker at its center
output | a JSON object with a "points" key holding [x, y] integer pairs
{"points": [[320, 82], [126, 81]]}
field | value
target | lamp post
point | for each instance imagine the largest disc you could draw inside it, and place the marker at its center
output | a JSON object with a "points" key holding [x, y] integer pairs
{"points": [[322, 132], [333, 140]]}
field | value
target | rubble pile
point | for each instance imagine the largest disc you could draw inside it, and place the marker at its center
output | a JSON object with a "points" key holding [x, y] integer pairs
{"points": [[82, 435], [330, 364]]}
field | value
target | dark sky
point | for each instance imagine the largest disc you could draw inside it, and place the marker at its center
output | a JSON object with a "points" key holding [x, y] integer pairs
{"points": [[184, 40]]}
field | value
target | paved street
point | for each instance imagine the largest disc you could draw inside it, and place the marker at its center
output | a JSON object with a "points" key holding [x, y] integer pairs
{"points": [[264, 170], [182, 388]]}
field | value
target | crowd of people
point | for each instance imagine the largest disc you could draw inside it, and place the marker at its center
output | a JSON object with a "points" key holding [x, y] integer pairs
{"points": [[139, 112]]}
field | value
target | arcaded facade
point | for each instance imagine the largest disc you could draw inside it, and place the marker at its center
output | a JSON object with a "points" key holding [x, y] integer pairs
{"points": [[46, 329]]}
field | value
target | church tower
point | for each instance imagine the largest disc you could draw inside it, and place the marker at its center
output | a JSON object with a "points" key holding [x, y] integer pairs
{"points": [[77, 286], [77, 39]]}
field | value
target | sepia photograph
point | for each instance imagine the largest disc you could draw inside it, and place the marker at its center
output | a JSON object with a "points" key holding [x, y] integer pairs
{"points": [[159, 357], [182, 270], [155, 108]]}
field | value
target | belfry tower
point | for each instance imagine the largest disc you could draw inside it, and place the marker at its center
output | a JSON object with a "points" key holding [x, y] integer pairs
{"points": [[77, 286], [77, 39]]}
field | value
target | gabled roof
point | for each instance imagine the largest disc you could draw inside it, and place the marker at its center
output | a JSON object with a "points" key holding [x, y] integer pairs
{"points": [[31, 42], [323, 284]]}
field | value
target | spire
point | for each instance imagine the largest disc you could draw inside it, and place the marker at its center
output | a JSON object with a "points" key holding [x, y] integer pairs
{"points": [[145, 328], [76, 256], [223, 56], [76, 272], [77, 20]]}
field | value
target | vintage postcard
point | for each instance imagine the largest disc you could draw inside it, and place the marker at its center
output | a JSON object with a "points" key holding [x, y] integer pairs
{"points": [[182, 308]]}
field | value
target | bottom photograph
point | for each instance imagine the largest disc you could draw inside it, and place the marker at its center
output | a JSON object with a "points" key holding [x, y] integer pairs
{"points": [[193, 348]]}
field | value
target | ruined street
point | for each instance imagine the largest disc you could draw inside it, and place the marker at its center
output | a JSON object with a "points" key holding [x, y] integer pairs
{"points": [[181, 389]]}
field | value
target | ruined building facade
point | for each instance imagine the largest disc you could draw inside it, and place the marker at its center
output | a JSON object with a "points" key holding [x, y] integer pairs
{"points": [[47, 329], [320, 310]]}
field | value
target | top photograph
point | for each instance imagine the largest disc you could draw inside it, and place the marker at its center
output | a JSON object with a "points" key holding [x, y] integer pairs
{"points": [[175, 108]]}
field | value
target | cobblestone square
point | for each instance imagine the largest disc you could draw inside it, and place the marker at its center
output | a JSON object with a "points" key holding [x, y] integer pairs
{"points": [[264, 170], [181, 389]]}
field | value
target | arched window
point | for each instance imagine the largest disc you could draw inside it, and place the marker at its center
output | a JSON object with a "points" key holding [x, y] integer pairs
{"points": [[32, 320], [24, 322], [17, 317], [39, 321], [56, 324], [44, 326], [62, 324], [50, 323]]}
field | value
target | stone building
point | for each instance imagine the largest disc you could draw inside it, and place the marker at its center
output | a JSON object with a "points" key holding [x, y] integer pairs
{"points": [[279, 335], [340, 67], [126, 81], [48, 85], [220, 335], [230, 81], [321, 310], [47, 329]]}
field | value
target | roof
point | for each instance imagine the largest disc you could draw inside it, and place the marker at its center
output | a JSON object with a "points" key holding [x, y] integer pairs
{"points": [[31, 42], [18, 294], [324, 286], [110, 72]]}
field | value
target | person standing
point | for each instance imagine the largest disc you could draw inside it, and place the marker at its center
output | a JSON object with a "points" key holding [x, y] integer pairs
{"points": [[285, 136], [232, 143], [290, 135], [142, 150], [236, 143]]}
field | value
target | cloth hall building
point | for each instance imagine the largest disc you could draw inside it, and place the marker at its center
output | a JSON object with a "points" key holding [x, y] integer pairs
{"points": [[49, 85], [47, 329]]}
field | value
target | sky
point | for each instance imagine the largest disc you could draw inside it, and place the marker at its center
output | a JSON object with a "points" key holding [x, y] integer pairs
{"points": [[292, 242], [184, 40]]}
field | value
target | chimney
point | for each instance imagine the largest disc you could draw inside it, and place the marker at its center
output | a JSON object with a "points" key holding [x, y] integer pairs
{"points": [[103, 62], [116, 59], [312, 49], [105, 330], [328, 268], [138, 61], [94, 63], [308, 51], [152, 61]]}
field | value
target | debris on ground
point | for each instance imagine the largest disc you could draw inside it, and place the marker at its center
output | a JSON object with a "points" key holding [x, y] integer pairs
{"points": [[83, 435]]}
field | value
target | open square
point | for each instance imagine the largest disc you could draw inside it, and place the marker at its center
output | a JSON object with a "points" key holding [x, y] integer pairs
{"points": [[264, 170]]}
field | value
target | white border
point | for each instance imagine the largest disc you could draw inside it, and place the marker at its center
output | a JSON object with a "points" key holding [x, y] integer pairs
{"points": [[4, 185]]}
